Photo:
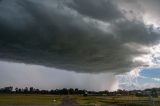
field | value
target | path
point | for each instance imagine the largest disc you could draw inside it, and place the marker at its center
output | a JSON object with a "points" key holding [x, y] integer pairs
{"points": [[68, 102]]}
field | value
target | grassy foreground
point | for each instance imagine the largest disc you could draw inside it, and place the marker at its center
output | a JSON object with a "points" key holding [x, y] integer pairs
{"points": [[122, 101], [49, 100], [22, 99]]}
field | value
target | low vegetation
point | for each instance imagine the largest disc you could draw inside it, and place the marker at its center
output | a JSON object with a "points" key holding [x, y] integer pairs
{"points": [[35, 97], [29, 99], [51, 100]]}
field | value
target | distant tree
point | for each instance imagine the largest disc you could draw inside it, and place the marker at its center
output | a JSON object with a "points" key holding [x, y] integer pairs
{"points": [[119, 91], [16, 89], [76, 91], [26, 90], [71, 91], [37, 91], [81, 91], [19, 90], [64, 91], [52, 91], [44, 92], [31, 90], [6, 89]]}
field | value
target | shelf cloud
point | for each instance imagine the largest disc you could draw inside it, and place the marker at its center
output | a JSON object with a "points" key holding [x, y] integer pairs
{"points": [[90, 36]]}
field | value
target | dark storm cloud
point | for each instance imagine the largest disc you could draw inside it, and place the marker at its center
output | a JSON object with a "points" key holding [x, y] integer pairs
{"points": [[102, 9], [62, 34]]}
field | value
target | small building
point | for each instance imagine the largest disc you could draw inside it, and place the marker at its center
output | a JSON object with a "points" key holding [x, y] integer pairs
{"points": [[148, 92]]}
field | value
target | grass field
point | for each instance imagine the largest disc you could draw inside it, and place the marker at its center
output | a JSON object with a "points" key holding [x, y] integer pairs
{"points": [[48, 100], [22, 99], [107, 100]]}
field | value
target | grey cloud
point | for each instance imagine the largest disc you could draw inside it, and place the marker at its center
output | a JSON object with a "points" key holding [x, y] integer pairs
{"points": [[136, 31], [103, 9], [55, 33]]}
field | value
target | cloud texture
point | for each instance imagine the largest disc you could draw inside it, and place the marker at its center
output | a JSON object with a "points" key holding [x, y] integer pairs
{"points": [[78, 35]]}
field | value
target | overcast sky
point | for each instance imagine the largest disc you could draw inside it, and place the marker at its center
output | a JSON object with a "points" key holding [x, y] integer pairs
{"points": [[87, 44]]}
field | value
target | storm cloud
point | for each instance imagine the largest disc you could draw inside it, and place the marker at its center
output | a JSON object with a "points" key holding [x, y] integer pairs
{"points": [[89, 36]]}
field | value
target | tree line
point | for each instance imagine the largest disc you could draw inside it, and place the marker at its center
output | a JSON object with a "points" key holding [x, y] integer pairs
{"points": [[64, 91], [76, 91], [32, 90]]}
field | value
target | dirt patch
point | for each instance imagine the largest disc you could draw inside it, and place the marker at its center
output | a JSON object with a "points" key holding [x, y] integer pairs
{"points": [[67, 101]]}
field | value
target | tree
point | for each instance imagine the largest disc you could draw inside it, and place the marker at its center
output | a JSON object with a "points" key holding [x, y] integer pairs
{"points": [[31, 90], [16, 89], [6, 89], [76, 91], [71, 91], [26, 90]]}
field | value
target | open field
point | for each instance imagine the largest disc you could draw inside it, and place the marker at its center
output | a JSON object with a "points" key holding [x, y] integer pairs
{"points": [[75, 100], [108, 100], [22, 99]]}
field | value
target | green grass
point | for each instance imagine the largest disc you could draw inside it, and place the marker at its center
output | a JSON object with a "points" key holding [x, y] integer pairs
{"points": [[23, 99], [47, 100], [90, 100], [106, 100]]}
